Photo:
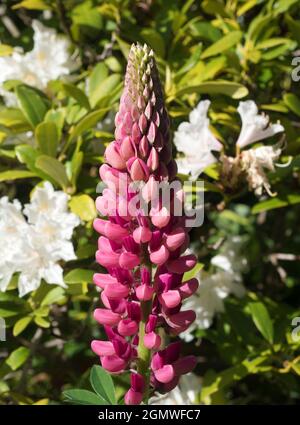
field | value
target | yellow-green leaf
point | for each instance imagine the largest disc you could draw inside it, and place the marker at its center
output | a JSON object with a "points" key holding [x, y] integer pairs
{"points": [[83, 206]]}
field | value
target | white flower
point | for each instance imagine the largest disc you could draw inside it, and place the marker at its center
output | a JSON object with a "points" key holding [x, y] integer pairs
{"points": [[215, 287], [195, 141], [48, 60], [229, 258], [254, 162], [12, 228], [35, 247], [185, 393], [255, 127]]}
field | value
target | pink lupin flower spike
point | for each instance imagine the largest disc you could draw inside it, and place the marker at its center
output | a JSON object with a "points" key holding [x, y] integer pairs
{"points": [[143, 290]]}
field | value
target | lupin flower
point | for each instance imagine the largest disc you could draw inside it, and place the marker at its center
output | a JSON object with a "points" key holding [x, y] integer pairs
{"points": [[142, 243]]}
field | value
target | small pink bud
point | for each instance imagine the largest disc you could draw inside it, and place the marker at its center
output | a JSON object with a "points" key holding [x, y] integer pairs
{"points": [[152, 341], [143, 124], [127, 148], [151, 133], [144, 292], [135, 133], [144, 147], [153, 160], [138, 169]]}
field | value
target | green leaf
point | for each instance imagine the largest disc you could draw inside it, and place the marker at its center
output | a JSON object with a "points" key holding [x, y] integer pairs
{"points": [[31, 5], [18, 357], [83, 206], [40, 321], [154, 40], [292, 102], [32, 104], [54, 168], [14, 119], [271, 204], [84, 397], [98, 74], [78, 95], [262, 320], [28, 155], [79, 276], [102, 384], [193, 273], [15, 174], [53, 296], [104, 88], [87, 122], [21, 325], [58, 117], [225, 43], [46, 134], [228, 88]]}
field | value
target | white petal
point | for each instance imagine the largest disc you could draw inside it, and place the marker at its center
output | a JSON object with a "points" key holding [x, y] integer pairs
{"points": [[255, 127]]}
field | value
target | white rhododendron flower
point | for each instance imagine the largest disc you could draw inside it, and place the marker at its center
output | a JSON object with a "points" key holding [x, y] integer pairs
{"points": [[195, 141], [255, 126], [186, 392], [255, 162], [35, 247], [12, 228], [48, 60], [215, 287]]}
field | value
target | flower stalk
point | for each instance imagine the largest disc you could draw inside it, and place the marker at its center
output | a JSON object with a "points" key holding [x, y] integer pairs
{"points": [[142, 243]]}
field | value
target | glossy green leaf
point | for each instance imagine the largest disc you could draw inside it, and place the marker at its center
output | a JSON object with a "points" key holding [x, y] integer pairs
{"points": [[292, 102], [18, 357], [32, 104], [21, 325], [54, 168], [276, 202], [228, 88], [46, 134], [229, 40], [262, 320], [102, 384], [15, 174], [83, 206], [104, 88], [77, 94], [79, 276], [89, 121]]}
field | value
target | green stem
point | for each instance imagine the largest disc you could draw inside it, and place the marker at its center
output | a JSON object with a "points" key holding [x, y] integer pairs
{"points": [[144, 354]]}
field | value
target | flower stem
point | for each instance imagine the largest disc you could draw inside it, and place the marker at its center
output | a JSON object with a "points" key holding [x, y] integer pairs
{"points": [[144, 354]]}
